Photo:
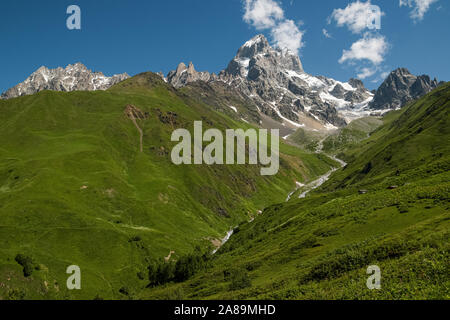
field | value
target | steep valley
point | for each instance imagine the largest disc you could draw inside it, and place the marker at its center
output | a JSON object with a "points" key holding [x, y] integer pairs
{"points": [[75, 187], [389, 206]]}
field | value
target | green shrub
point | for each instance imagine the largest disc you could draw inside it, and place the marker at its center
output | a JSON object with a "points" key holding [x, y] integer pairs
{"points": [[27, 264], [174, 294], [162, 272], [140, 275], [125, 291], [15, 294], [240, 280]]}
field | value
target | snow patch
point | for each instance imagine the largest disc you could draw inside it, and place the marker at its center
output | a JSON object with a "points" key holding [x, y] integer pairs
{"points": [[295, 124], [339, 103], [234, 109], [312, 81], [253, 41]]}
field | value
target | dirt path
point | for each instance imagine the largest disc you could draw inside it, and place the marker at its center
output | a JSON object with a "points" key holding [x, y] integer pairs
{"points": [[141, 135], [133, 114]]}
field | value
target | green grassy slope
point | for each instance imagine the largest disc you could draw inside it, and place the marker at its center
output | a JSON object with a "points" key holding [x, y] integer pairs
{"points": [[333, 142], [320, 247], [75, 189], [307, 139], [349, 136], [412, 144]]}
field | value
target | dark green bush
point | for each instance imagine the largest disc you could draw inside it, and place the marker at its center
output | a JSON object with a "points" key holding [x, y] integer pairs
{"points": [[27, 264], [161, 272], [124, 291], [240, 279], [140, 275]]}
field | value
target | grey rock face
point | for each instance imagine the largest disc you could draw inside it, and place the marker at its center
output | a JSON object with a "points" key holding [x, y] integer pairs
{"points": [[257, 55], [329, 114], [356, 83], [276, 82], [72, 78], [162, 76], [338, 91], [184, 75], [401, 87]]}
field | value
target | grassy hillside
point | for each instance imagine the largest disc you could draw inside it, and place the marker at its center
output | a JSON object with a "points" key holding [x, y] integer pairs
{"points": [[333, 142], [320, 247], [349, 136], [76, 189], [412, 144], [308, 139]]}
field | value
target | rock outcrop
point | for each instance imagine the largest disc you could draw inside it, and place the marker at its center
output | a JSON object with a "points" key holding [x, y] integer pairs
{"points": [[399, 88], [184, 75]]}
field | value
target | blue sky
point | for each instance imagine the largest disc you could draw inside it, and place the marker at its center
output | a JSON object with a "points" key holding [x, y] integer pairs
{"points": [[135, 35]]}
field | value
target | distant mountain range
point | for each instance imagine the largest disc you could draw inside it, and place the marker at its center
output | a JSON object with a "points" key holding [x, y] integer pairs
{"points": [[73, 78], [273, 81], [276, 82]]}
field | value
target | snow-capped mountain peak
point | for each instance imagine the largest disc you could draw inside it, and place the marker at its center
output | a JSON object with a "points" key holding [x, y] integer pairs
{"points": [[277, 83], [281, 88]]}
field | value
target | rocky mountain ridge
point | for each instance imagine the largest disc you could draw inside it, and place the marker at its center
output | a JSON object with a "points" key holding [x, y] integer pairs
{"points": [[272, 79], [72, 78], [276, 81], [400, 87], [183, 75]]}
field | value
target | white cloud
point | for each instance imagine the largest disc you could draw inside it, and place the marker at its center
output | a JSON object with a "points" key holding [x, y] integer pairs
{"points": [[366, 72], [370, 71], [287, 35], [366, 54], [356, 16], [420, 7], [384, 75], [262, 14], [326, 33], [267, 14], [371, 48]]}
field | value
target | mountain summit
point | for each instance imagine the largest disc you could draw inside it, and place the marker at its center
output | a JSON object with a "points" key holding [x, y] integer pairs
{"points": [[401, 87], [272, 79], [183, 75], [276, 82], [72, 78], [258, 51]]}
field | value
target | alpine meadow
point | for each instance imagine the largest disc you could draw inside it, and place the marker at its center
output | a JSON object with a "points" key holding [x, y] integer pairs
{"points": [[262, 179]]}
